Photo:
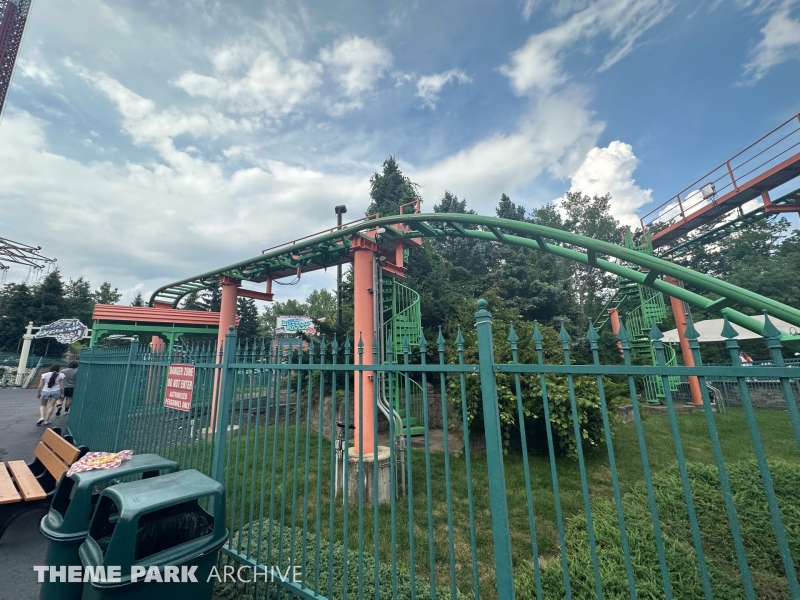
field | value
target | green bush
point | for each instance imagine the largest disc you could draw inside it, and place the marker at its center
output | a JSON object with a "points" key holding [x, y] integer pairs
{"points": [[249, 535], [587, 398], [761, 547]]}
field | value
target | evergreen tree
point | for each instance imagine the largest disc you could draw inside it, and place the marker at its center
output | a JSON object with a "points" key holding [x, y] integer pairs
{"points": [[47, 306], [138, 300], [80, 302], [248, 318], [390, 189], [192, 302], [17, 312], [211, 300], [508, 210], [105, 295]]}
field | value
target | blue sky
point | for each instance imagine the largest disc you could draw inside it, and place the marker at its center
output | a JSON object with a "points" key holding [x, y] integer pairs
{"points": [[145, 142]]}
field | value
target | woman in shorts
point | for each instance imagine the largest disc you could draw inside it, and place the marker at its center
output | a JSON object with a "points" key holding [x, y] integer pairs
{"points": [[70, 373], [50, 389]]}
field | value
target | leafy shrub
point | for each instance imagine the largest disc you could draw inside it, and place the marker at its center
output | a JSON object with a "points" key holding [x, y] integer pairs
{"points": [[587, 398], [249, 535], [763, 555]]}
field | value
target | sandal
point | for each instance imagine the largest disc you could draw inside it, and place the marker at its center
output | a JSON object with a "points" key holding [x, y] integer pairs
{"points": [[39, 422]]}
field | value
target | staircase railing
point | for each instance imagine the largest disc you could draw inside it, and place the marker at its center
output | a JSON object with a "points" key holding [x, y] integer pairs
{"points": [[403, 326]]}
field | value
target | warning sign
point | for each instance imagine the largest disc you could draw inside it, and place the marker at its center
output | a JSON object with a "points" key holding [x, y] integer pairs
{"points": [[180, 382]]}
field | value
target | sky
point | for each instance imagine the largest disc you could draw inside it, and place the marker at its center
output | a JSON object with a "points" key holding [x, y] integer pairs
{"points": [[146, 142]]}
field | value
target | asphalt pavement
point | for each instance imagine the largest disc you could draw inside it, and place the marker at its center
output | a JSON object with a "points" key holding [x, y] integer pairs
{"points": [[23, 545]]}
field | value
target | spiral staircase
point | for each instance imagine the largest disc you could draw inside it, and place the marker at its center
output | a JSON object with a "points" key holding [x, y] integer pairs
{"points": [[644, 306], [402, 323]]}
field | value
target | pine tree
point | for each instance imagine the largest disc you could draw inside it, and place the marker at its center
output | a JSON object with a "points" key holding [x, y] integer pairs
{"points": [[105, 295], [390, 189], [138, 300]]}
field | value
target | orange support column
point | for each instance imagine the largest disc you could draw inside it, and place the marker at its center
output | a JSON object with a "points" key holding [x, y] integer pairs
{"points": [[227, 308], [613, 314], [227, 317], [679, 310], [364, 317]]}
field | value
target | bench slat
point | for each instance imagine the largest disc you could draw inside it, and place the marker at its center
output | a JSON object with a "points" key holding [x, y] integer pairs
{"points": [[28, 486], [55, 465], [65, 451], [8, 492]]}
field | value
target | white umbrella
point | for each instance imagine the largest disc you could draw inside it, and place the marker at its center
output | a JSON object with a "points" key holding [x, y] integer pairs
{"points": [[710, 330]]}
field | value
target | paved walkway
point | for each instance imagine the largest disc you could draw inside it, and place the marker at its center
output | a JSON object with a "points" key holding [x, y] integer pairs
{"points": [[22, 546]]}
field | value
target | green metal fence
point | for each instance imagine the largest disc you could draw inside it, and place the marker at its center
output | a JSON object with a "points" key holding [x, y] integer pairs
{"points": [[675, 505]]}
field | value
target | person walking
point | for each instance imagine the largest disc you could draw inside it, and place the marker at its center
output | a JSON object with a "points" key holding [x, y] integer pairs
{"points": [[70, 373], [51, 387]]}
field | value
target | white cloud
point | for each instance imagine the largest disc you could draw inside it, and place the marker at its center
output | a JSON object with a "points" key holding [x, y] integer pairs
{"points": [[527, 7], [610, 170], [537, 67], [356, 64], [150, 223], [37, 70], [780, 42], [429, 86], [555, 137], [251, 80]]}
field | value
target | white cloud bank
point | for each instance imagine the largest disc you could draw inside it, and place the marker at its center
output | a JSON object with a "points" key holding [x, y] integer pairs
{"points": [[780, 42], [610, 170], [158, 221], [250, 80], [537, 67], [356, 64]]}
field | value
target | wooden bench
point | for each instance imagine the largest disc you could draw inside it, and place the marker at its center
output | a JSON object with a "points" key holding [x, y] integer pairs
{"points": [[25, 487]]}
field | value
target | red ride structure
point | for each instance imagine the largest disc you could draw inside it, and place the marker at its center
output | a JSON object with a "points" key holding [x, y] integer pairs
{"points": [[13, 16]]}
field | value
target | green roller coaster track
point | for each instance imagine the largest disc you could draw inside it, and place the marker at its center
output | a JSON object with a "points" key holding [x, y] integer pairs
{"points": [[333, 247]]}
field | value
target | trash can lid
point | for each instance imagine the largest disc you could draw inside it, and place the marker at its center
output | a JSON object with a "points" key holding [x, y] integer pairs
{"points": [[72, 506], [138, 498], [147, 495]]}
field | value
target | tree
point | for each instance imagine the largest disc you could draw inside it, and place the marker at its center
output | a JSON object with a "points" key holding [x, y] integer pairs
{"points": [[192, 302], [591, 217], [17, 312], [211, 299], [390, 189], [248, 318], [451, 204], [105, 295], [138, 300], [322, 305], [80, 302], [47, 306], [508, 210]]}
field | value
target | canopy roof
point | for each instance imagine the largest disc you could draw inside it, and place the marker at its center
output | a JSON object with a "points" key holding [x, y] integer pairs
{"points": [[710, 330]]}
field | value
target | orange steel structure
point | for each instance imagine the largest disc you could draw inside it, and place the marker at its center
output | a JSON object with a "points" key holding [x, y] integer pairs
{"points": [[764, 165]]}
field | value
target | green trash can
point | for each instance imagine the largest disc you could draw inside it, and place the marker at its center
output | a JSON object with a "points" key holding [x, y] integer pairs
{"points": [[67, 522], [154, 539]]}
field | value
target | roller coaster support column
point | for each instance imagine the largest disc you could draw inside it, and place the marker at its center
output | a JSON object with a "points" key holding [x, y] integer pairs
{"points": [[227, 318], [679, 310], [613, 315], [364, 308]]}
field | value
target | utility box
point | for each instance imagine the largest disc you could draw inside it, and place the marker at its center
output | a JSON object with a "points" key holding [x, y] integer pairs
{"points": [[156, 539], [66, 524]]}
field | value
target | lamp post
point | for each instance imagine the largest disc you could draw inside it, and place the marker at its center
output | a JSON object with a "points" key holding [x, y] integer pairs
{"points": [[339, 210]]}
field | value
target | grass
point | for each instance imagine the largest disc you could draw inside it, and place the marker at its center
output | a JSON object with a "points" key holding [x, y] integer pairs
{"points": [[255, 494]]}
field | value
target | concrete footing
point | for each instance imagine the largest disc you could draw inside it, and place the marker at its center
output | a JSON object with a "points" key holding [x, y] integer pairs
{"points": [[382, 487]]}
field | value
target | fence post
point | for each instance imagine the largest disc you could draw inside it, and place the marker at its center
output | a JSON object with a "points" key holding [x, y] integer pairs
{"points": [[226, 390], [124, 403], [501, 533], [80, 396]]}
